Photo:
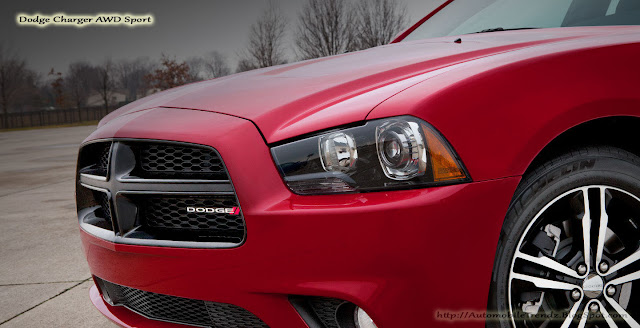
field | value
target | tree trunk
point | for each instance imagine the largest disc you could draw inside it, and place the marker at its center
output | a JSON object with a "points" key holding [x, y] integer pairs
{"points": [[5, 113], [3, 95]]}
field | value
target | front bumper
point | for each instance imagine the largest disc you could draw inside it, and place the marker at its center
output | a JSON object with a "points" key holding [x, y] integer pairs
{"points": [[400, 255]]}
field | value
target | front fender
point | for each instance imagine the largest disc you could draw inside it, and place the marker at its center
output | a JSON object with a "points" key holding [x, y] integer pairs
{"points": [[501, 111]]}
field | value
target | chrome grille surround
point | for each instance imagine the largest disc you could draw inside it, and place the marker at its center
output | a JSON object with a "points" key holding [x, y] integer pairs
{"points": [[124, 186]]}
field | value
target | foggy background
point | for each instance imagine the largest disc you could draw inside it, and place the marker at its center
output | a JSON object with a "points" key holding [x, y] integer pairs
{"points": [[59, 75], [182, 29]]}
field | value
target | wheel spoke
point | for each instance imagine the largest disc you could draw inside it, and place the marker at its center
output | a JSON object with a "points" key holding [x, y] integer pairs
{"points": [[549, 264], [606, 315], [544, 283], [586, 230], [539, 271], [572, 314], [602, 231], [626, 279], [623, 314], [631, 259], [585, 315]]}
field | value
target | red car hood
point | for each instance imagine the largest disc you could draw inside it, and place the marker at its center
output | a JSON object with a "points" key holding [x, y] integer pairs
{"points": [[289, 100]]}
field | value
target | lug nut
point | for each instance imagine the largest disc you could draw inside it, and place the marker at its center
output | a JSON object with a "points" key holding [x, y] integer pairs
{"points": [[582, 269], [594, 307], [611, 290], [604, 266], [576, 294]]}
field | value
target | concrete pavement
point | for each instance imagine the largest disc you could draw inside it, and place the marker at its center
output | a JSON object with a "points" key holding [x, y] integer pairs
{"points": [[44, 278]]}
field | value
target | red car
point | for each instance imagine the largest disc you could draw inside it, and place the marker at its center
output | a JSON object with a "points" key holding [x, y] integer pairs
{"points": [[451, 178]]}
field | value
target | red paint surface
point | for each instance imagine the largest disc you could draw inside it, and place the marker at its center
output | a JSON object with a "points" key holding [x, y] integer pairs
{"points": [[373, 249], [499, 98], [289, 100]]}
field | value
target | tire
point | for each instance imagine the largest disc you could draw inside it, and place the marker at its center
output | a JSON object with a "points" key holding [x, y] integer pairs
{"points": [[539, 197]]}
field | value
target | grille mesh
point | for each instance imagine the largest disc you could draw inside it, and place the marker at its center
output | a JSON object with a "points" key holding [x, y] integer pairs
{"points": [[165, 307], [97, 204], [103, 199], [326, 308], [94, 158], [103, 161], [171, 213], [181, 310], [181, 160], [147, 213], [227, 315]]}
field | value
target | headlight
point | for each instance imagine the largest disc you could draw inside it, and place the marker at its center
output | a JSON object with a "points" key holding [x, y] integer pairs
{"points": [[363, 320], [338, 152], [401, 149], [395, 153]]}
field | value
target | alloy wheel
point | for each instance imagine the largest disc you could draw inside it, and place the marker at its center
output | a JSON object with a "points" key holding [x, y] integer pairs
{"points": [[577, 262]]}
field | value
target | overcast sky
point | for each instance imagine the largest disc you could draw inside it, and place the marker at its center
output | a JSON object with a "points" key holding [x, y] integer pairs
{"points": [[182, 29]]}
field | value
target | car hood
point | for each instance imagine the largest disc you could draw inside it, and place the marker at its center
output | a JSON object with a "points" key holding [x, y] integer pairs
{"points": [[289, 100]]}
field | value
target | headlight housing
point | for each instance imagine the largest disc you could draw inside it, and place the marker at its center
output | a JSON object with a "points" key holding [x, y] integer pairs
{"points": [[395, 153]]}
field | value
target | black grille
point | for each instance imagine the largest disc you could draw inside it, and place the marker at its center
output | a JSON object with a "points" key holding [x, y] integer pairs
{"points": [[181, 161], [165, 307], [144, 186], [171, 213], [178, 309], [324, 312], [96, 204], [103, 162], [326, 309], [94, 158], [105, 206]]}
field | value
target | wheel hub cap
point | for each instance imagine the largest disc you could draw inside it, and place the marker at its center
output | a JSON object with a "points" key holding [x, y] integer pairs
{"points": [[593, 286]]}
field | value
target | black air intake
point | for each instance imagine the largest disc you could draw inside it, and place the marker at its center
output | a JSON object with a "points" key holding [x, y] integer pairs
{"points": [[177, 309], [324, 312]]}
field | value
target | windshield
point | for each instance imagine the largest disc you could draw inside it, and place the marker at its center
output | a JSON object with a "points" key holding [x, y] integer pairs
{"points": [[472, 16]]}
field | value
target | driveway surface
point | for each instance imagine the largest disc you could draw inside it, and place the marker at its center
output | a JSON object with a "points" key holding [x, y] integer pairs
{"points": [[44, 278]]}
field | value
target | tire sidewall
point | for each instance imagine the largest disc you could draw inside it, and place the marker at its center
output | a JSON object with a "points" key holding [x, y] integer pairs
{"points": [[611, 167]]}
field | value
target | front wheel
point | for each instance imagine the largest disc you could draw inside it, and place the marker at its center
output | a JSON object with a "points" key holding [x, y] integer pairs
{"points": [[569, 252]]}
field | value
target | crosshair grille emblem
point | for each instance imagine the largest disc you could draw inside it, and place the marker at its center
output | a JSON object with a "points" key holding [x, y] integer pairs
{"points": [[125, 192]]}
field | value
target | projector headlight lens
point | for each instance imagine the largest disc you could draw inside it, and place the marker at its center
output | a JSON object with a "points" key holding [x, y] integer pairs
{"points": [[394, 153], [401, 149]]}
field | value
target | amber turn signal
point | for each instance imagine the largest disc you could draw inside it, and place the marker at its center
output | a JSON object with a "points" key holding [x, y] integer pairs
{"points": [[443, 163]]}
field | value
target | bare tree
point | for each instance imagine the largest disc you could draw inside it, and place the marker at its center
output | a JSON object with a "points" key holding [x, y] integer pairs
{"points": [[378, 21], [266, 40], [30, 96], [80, 79], [215, 65], [211, 66], [130, 76], [12, 77], [196, 69], [325, 28], [245, 65], [106, 81]]}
